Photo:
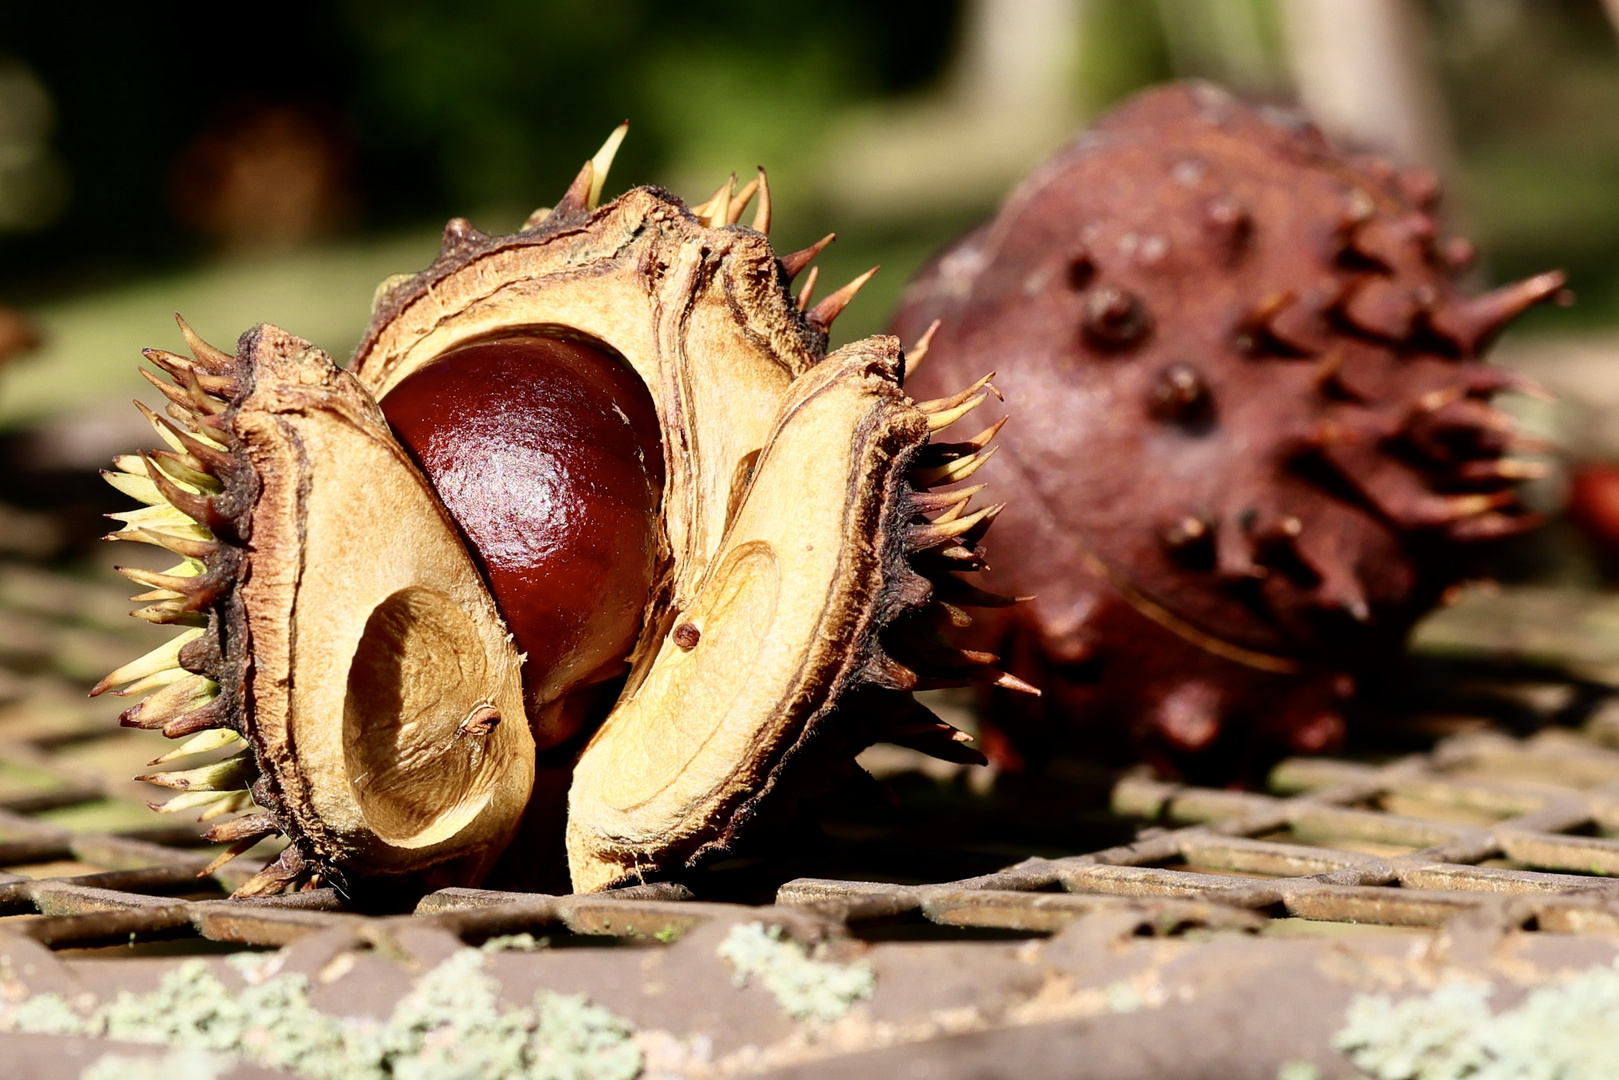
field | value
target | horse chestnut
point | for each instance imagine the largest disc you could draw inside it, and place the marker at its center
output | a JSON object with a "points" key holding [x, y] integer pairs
{"points": [[547, 454]]}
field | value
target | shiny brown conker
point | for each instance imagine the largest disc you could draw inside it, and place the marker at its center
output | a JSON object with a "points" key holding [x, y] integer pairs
{"points": [[547, 454]]}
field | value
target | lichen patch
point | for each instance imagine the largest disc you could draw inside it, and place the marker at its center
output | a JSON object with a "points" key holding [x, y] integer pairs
{"points": [[1564, 1029], [808, 988], [451, 1025]]}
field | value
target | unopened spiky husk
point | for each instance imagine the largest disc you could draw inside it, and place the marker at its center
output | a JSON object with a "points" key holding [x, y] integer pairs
{"points": [[1256, 438]]}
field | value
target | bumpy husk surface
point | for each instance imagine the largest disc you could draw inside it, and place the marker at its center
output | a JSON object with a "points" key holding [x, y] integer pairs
{"points": [[1254, 440]]}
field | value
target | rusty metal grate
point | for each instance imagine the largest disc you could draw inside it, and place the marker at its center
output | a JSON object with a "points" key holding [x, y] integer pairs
{"points": [[1484, 822]]}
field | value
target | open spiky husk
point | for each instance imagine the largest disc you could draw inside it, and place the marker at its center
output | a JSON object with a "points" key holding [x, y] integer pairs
{"points": [[824, 463]]}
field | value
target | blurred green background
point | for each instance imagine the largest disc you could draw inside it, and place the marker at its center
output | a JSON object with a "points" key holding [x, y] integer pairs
{"points": [[274, 163]]}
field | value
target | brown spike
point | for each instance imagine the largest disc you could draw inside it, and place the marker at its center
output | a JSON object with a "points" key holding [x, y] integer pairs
{"points": [[176, 365], [1228, 223], [169, 613], [1457, 254], [576, 200], [1189, 538], [1492, 526], [983, 438], [1420, 187], [215, 360], [948, 614], [953, 590], [1233, 552], [808, 290], [717, 210], [1509, 469], [153, 714], [257, 826], [1417, 508], [830, 308], [1339, 589], [1395, 242], [919, 352], [1114, 319], [940, 742], [960, 397], [1003, 679], [1383, 308], [761, 216], [210, 715], [1301, 327], [154, 580], [200, 401], [228, 854], [973, 535], [199, 508], [1253, 323], [883, 670], [1179, 395], [793, 264], [180, 545], [954, 559], [177, 396], [168, 703], [286, 870], [223, 387], [185, 469], [934, 533], [1189, 717], [1473, 323], [215, 460], [458, 236], [932, 502], [132, 718], [955, 469], [740, 201]]}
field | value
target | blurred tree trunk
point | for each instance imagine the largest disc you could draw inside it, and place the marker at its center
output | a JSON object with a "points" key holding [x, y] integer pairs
{"points": [[1010, 98], [1364, 72], [1612, 7], [1223, 40]]}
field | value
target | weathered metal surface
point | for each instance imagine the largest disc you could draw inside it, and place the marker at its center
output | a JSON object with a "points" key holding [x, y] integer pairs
{"points": [[1226, 937]]}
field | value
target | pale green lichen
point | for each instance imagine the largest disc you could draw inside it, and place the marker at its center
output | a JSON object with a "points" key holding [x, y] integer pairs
{"points": [[1122, 997], [806, 987], [515, 943], [1564, 1030], [450, 1026], [44, 1014], [175, 1065], [1298, 1070]]}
